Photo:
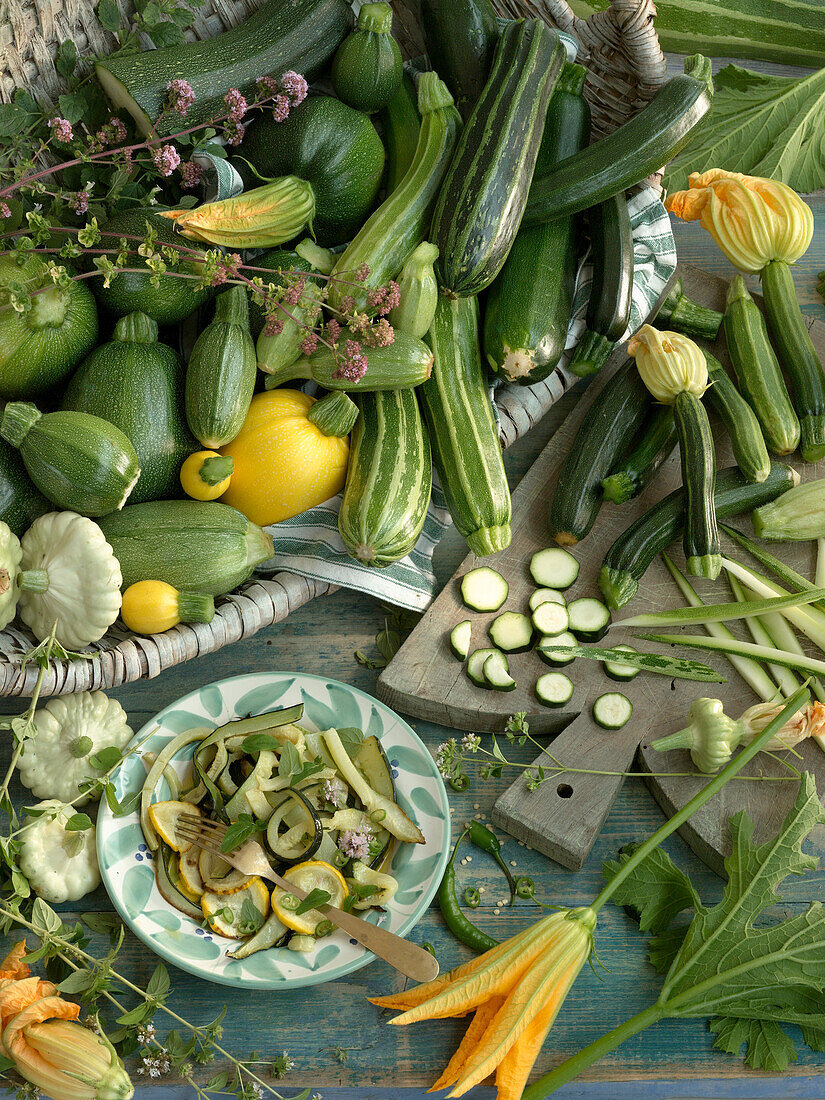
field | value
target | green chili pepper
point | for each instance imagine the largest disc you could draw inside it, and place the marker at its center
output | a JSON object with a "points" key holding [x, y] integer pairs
{"points": [[460, 782], [525, 887], [460, 926], [290, 902], [323, 928], [472, 898], [428, 947], [487, 841]]}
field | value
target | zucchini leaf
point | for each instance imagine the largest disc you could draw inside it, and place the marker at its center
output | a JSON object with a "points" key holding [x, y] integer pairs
{"points": [[749, 980], [761, 125]]}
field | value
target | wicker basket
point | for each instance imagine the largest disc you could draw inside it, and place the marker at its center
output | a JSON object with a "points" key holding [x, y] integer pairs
{"points": [[625, 68]]}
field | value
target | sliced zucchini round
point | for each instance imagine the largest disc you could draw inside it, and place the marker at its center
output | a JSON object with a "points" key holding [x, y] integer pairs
{"points": [[511, 632], [566, 639], [546, 595], [475, 666], [497, 672], [460, 639], [483, 589], [164, 818], [612, 710], [219, 876], [191, 882], [554, 568], [314, 875], [224, 912], [554, 689], [550, 619], [589, 618], [617, 671]]}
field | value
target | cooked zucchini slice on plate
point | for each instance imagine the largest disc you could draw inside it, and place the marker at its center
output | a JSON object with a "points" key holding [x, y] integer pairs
{"points": [[511, 632], [554, 568], [588, 618], [497, 672], [225, 912], [612, 710], [460, 639], [554, 689], [621, 672], [550, 618], [484, 589], [565, 639], [314, 875]]}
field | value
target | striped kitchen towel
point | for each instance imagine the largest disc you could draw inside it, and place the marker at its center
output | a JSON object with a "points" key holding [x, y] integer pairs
{"points": [[309, 544]]}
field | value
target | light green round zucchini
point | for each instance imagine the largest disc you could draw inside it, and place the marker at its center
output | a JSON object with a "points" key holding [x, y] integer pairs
{"points": [[389, 479]]}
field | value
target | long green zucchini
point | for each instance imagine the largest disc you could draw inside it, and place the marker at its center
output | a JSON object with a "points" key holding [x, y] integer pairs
{"points": [[797, 355], [485, 189], [757, 369], [746, 437], [407, 361], [631, 554], [401, 123], [527, 312], [627, 156], [609, 425], [653, 447], [196, 546], [680, 313], [389, 479], [611, 293], [463, 435], [393, 232], [461, 37], [283, 34], [700, 537]]}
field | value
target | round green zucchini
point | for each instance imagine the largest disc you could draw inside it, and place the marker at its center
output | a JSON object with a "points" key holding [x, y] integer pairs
{"points": [[20, 501], [367, 67]]}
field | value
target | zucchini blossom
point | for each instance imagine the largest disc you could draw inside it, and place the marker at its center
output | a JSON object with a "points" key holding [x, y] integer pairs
{"points": [[712, 735], [261, 218], [39, 1033], [753, 220], [668, 363]]}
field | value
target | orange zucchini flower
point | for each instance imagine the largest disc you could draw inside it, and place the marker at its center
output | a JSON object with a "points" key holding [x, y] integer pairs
{"points": [[49, 1049], [753, 220], [514, 990], [261, 218]]}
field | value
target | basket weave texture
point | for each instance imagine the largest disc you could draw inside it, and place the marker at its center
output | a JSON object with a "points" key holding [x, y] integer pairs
{"points": [[625, 68]]}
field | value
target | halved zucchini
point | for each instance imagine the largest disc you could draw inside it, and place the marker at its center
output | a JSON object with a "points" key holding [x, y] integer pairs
{"points": [[314, 875], [368, 876], [497, 672], [224, 912], [372, 763], [546, 595], [475, 666], [164, 817], [460, 639], [299, 942]]}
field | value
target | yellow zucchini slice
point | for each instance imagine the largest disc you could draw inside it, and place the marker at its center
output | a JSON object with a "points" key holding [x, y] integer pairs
{"points": [[313, 875], [190, 881], [164, 818], [219, 876], [224, 912]]}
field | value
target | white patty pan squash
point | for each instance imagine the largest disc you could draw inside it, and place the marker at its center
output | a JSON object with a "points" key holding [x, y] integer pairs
{"points": [[70, 576], [60, 865], [68, 730], [9, 568]]}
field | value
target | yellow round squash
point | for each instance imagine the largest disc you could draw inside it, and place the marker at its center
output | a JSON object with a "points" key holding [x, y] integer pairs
{"points": [[290, 454]]}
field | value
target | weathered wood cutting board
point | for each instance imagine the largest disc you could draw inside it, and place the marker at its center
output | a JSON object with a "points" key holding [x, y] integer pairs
{"points": [[563, 817]]}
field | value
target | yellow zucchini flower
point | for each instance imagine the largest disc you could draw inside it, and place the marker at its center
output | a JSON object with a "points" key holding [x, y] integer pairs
{"points": [[668, 363], [49, 1049], [753, 220], [261, 218], [514, 991]]}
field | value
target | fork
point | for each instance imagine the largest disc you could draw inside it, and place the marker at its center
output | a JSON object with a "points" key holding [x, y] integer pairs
{"points": [[410, 959]]}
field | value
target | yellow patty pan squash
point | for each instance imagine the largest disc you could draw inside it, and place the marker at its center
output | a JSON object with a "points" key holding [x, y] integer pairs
{"points": [[290, 454]]}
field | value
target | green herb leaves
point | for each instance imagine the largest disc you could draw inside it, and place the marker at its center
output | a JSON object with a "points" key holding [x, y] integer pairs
{"points": [[762, 125], [748, 979]]}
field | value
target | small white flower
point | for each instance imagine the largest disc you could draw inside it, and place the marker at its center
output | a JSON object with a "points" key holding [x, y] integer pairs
{"points": [[470, 742]]}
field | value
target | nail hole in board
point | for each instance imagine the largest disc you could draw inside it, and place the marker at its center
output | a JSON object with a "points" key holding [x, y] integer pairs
{"points": [[564, 790]]}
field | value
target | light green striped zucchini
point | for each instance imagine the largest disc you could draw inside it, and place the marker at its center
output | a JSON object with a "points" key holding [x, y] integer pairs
{"points": [[463, 435], [389, 479]]}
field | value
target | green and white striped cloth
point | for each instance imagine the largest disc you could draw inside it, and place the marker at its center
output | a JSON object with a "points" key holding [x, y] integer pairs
{"points": [[310, 545]]}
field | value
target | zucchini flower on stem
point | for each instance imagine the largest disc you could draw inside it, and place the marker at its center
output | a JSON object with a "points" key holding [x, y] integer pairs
{"points": [[514, 991], [39, 1033], [712, 735], [763, 226], [261, 218], [675, 371]]}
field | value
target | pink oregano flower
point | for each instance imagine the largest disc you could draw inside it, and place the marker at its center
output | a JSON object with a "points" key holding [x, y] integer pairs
{"points": [[190, 175], [166, 159], [179, 96], [61, 129]]}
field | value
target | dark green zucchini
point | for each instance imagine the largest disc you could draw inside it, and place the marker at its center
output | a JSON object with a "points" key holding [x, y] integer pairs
{"points": [[333, 148], [797, 355], [479, 207], [633, 551], [611, 422], [681, 314], [463, 435], [527, 312], [20, 501], [653, 447], [627, 156], [282, 34], [461, 37], [746, 437], [401, 123], [611, 292], [700, 537], [367, 67], [757, 369]]}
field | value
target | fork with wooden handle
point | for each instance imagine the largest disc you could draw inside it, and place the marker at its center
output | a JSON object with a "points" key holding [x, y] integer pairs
{"points": [[250, 858]]}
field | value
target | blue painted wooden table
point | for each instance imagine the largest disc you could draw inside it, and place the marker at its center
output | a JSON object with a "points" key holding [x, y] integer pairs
{"points": [[342, 1045]]}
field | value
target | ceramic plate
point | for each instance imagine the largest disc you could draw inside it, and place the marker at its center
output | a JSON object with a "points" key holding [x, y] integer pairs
{"points": [[127, 868]]}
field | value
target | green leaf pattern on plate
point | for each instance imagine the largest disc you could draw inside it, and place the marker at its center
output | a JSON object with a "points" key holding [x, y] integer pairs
{"points": [[178, 938]]}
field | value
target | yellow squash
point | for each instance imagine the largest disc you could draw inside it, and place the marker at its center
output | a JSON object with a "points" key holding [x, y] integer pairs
{"points": [[290, 454]]}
